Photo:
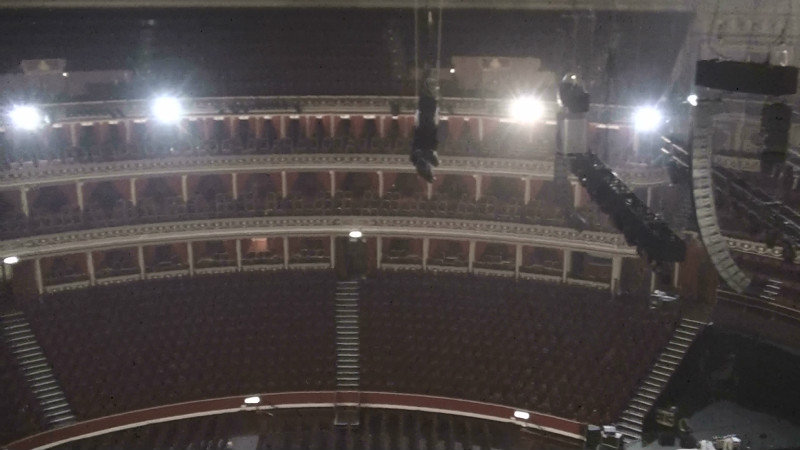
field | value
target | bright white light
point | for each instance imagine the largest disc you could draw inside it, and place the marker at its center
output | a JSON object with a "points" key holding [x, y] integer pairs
{"points": [[355, 234], [254, 400], [647, 118], [167, 109], [526, 109], [453, 70], [524, 415], [692, 99], [64, 74], [26, 117], [10, 260]]}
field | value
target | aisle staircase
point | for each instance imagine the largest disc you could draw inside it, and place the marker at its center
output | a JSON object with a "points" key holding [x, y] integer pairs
{"points": [[631, 422], [36, 370], [347, 348]]}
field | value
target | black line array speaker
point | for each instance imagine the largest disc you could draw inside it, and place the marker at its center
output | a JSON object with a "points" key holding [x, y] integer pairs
{"points": [[746, 77], [776, 120]]}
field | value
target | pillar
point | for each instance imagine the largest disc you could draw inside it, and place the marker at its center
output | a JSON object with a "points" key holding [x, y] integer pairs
{"points": [[676, 274], [284, 190], [567, 264], [652, 281], [333, 252], [518, 260], [140, 255], [480, 128], [381, 126], [184, 188], [379, 251], [238, 254], [471, 257], [649, 196], [37, 266], [426, 243], [133, 190], [23, 197], [576, 194], [190, 257], [527, 182], [73, 133], [234, 186], [616, 272], [90, 268], [285, 252], [333, 182], [79, 191], [478, 184], [380, 184], [333, 126], [282, 126], [429, 191], [128, 130]]}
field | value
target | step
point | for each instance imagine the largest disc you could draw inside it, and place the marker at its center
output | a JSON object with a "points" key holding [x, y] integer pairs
{"points": [[50, 382], [65, 418], [50, 394], [647, 395], [31, 359], [650, 390], [664, 365], [653, 384], [630, 426], [675, 337], [638, 408], [347, 366], [38, 365], [36, 371], [661, 372], [56, 406], [346, 378], [53, 400], [19, 331], [633, 416]]}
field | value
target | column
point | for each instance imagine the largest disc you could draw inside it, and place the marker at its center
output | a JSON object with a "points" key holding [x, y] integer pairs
{"points": [[426, 243], [282, 126], [333, 252], [527, 182], [79, 191], [429, 191], [616, 272], [576, 194], [333, 182], [23, 197], [234, 186], [90, 268], [518, 260], [128, 130], [37, 266], [480, 128], [649, 196], [471, 257], [380, 251], [652, 281], [567, 265], [333, 126], [381, 126], [184, 188], [380, 184], [478, 183], [73, 134], [285, 252], [190, 257], [140, 254], [133, 190], [676, 274], [283, 184], [239, 254]]}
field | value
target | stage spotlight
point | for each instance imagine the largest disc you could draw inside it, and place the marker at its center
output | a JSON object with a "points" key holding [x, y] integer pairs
{"points": [[692, 99], [26, 117], [355, 234], [10, 260], [526, 109], [452, 70], [647, 118], [254, 400], [524, 415], [167, 109]]}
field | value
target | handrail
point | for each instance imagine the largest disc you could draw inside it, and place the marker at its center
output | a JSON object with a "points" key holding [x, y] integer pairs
{"points": [[319, 399]]}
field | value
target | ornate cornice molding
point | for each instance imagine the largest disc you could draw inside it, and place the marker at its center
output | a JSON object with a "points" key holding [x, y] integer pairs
{"points": [[757, 248], [147, 234], [49, 174]]}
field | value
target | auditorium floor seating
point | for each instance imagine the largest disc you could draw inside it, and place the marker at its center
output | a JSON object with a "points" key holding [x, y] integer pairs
{"points": [[313, 429], [124, 347], [569, 351]]}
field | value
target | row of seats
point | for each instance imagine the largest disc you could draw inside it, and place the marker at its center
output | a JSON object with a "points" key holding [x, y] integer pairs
{"points": [[151, 210], [527, 344], [117, 348]]}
